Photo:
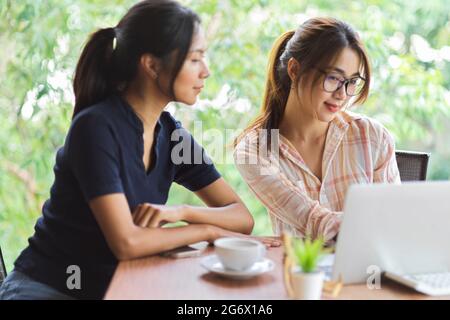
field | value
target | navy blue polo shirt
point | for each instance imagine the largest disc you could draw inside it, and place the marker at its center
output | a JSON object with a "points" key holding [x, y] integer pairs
{"points": [[102, 154]]}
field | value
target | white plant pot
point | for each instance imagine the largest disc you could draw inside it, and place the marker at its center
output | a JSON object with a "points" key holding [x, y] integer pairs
{"points": [[307, 286]]}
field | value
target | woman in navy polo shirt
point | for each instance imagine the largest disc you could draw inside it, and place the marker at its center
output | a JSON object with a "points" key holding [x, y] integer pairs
{"points": [[120, 157]]}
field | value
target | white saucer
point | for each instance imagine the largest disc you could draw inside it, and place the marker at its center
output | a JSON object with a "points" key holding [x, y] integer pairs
{"points": [[213, 264]]}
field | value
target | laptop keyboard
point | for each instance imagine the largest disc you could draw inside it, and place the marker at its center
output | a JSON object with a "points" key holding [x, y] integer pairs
{"points": [[434, 284], [434, 280]]}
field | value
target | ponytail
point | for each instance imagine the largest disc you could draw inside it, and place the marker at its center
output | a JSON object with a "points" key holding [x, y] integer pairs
{"points": [[93, 76], [276, 91]]}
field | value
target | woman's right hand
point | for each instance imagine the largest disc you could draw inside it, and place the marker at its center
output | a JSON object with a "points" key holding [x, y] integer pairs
{"points": [[217, 233]]}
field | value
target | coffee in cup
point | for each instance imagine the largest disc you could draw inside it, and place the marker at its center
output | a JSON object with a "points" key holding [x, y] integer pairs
{"points": [[239, 254]]}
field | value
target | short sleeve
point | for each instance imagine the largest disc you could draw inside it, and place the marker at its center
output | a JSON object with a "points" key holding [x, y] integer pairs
{"points": [[93, 156], [194, 169]]}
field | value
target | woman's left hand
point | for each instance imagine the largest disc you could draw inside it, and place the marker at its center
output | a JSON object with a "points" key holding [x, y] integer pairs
{"points": [[149, 215]]}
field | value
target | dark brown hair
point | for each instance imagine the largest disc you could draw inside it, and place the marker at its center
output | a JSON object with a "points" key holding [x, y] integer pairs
{"points": [[315, 44], [110, 58]]}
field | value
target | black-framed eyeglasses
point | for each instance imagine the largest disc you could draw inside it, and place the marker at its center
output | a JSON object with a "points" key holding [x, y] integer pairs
{"points": [[333, 81]]}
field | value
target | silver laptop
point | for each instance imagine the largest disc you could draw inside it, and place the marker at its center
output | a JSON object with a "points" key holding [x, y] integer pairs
{"points": [[402, 231]]}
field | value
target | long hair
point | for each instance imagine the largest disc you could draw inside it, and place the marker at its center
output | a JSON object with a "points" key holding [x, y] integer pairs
{"points": [[109, 60], [315, 44]]}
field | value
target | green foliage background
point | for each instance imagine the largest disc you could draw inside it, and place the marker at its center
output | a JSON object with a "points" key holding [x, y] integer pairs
{"points": [[40, 40]]}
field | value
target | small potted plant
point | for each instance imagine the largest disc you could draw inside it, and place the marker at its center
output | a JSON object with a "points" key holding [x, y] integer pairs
{"points": [[306, 279]]}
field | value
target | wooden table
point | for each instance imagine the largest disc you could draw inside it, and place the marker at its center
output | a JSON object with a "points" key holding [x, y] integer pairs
{"points": [[174, 279]]}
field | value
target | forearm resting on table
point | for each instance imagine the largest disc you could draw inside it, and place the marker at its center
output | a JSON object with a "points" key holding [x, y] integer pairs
{"points": [[140, 242], [233, 217], [128, 240]]}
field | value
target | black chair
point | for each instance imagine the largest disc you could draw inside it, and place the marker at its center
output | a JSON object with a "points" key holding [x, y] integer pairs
{"points": [[412, 165], [2, 268]]}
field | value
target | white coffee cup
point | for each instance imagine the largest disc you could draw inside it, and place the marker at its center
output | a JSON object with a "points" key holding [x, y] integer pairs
{"points": [[239, 254]]}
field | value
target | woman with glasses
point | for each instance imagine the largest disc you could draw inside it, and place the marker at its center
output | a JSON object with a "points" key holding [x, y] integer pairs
{"points": [[305, 149]]}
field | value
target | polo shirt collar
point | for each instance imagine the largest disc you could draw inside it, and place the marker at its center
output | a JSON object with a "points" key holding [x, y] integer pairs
{"points": [[131, 115]]}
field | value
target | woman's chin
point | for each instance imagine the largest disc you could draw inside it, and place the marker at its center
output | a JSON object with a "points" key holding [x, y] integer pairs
{"points": [[327, 117], [188, 101]]}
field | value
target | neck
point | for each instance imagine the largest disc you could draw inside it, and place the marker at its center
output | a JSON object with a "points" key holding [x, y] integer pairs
{"points": [[300, 124], [147, 102]]}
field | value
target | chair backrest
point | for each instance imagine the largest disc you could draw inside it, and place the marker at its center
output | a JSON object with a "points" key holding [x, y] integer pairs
{"points": [[412, 165], [2, 268]]}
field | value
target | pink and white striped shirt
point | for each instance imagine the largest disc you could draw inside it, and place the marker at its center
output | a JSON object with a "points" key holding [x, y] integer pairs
{"points": [[357, 150]]}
